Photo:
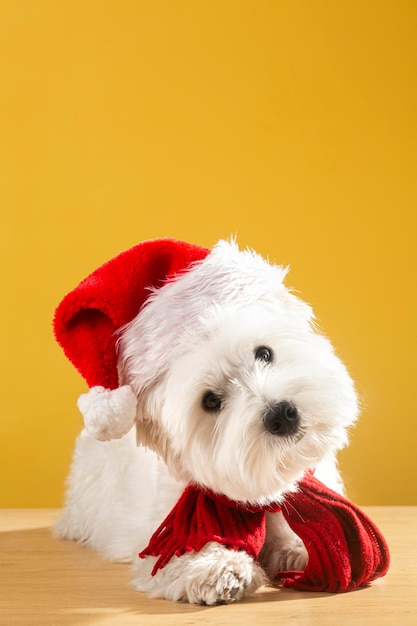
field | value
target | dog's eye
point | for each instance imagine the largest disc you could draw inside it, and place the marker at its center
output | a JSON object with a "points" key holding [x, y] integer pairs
{"points": [[263, 354], [211, 401]]}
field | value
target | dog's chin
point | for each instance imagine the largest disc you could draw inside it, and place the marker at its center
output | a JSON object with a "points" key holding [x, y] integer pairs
{"points": [[253, 481]]}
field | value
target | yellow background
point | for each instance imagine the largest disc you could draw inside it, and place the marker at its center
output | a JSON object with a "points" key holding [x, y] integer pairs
{"points": [[292, 124]]}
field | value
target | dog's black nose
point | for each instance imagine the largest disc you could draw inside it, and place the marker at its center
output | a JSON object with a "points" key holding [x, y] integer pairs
{"points": [[282, 419]]}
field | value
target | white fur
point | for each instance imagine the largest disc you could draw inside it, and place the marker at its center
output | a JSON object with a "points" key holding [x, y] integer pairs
{"points": [[198, 334], [108, 414]]}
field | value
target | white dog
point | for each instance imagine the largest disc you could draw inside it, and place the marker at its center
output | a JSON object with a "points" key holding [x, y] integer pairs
{"points": [[232, 388]]}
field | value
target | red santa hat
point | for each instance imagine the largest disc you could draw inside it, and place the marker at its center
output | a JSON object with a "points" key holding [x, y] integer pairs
{"points": [[88, 318]]}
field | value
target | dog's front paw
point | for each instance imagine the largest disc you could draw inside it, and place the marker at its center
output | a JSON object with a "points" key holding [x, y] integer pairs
{"points": [[220, 576], [291, 556], [213, 576], [283, 549]]}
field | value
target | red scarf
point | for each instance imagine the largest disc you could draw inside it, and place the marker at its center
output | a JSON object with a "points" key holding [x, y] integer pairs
{"points": [[345, 548]]}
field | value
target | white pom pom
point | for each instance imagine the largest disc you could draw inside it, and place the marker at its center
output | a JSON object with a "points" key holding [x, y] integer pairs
{"points": [[108, 413]]}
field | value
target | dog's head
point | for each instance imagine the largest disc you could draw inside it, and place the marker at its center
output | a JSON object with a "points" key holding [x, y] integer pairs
{"points": [[236, 389]]}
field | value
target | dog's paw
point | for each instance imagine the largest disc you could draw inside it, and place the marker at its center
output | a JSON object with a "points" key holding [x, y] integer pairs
{"points": [[283, 549], [66, 527], [221, 576], [213, 576], [291, 556]]}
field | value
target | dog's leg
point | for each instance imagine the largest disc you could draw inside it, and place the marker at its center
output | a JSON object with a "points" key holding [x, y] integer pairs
{"points": [[118, 493], [215, 575], [282, 550]]}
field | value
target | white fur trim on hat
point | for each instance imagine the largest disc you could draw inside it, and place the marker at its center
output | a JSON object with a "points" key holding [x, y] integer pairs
{"points": [[190, 306], [108, 413]]}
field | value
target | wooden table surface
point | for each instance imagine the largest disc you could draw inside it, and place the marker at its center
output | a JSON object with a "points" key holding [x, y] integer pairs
{"points": [[57, 583]]}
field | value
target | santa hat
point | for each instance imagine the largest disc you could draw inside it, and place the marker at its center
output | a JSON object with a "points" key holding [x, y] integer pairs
{"points": [[88, 318]]}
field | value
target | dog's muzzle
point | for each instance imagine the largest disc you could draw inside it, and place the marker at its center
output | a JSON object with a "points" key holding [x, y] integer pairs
{"points": [[282, 419]]}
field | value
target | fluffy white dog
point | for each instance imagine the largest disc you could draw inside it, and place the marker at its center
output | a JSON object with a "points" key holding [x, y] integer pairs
{"points": [[225, 383]]}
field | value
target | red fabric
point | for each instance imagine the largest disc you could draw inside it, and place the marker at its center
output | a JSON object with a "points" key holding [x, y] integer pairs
{"points": [[199, 517], [87, 318], [345, 548]]}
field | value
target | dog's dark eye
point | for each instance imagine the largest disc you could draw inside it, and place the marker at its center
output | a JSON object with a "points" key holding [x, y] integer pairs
{"points": [[263, 354], [211, 401]]}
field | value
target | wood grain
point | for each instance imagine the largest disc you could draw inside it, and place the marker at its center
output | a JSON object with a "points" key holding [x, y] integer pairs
{"points": [[46, 581]]}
